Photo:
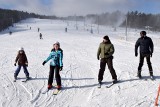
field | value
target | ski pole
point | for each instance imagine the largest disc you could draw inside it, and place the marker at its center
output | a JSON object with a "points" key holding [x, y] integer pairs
{"points": [[156, 102]]}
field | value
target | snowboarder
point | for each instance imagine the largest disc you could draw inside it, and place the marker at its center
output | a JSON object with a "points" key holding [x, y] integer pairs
{"points": [[40, 35], [146, 51], [56, 65], [22, 62], [38, 29], [105, 52]]}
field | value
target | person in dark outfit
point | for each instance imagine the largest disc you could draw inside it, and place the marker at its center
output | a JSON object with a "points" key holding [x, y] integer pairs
{"points": [[56, 65], [146, 51], [105, 52], [40, 36], [66, 29], [22, 62]]}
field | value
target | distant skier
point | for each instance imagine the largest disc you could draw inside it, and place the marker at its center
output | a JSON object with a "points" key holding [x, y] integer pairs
{"points": [[91, 31], [10, 32], [66, 29], [30, 28], [22, 62], [56, 65], [105, 52], [38, 29], [40, 36], [146, 50]]}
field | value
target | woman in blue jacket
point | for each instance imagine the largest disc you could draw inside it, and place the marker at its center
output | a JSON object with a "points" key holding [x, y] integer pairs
{"points": [[56, 65]]}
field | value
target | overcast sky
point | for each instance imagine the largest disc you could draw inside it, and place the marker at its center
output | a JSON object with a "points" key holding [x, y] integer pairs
{"points": [[81, 7]]}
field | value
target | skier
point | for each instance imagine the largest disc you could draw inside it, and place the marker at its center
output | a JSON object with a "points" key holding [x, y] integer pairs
{"points": [[66, 29], [38, 29], [56, 65], [91, 31], [146, 50], [22, 62], [105, 52], [40, 35], [10, 32]]}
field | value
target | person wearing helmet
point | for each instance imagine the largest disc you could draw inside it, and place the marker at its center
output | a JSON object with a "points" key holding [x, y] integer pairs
{"points": [[56, 65], [22, 61]]}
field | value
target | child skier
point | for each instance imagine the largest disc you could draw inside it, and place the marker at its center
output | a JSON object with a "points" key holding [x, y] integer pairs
{"points": [[56, 65], [22, 62]]}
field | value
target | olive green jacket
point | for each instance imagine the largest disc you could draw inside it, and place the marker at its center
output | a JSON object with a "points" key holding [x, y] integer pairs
{"points": [[105, 50]]}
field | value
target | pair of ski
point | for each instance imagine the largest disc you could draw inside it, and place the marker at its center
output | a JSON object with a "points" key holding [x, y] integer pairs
{"points": [[108, 86], [55, 92], [22, 80], [151, 78]]}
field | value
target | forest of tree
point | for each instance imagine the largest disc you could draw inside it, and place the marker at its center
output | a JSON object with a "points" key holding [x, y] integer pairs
{"points": [[142, 20], [8, 17], [134, 19]]}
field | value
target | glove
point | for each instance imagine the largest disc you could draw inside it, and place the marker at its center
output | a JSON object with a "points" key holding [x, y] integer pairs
{"points": [[43, 62], [14, 64], [61, 68], [107, 53], [98, 57], [151, 54], [136, 54]]}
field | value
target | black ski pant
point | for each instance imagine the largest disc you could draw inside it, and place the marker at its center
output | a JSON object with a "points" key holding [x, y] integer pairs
{"points": [[141, 61], [57, 75], [103, 63]]}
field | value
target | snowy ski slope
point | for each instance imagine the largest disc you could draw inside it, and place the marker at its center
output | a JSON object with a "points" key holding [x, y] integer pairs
{"points": [[79, 75]]}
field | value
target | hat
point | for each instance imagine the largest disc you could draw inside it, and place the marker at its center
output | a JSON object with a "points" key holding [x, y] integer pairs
{"points": [[143, 32], [56, 43], [106, 37], [21, 49]]}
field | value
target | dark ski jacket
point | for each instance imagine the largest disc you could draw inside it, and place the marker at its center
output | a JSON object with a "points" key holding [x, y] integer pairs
{"points": [[21, 59], [146, 45]]}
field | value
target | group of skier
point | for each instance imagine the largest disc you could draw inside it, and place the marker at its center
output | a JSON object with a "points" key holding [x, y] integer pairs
{"points": [[106, 51], [104, 54]]}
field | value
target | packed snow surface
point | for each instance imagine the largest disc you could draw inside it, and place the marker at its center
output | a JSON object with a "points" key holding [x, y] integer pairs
{"points": [[80, 71]]}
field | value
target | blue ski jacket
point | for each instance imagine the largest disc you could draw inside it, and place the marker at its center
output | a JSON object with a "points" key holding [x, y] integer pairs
{"points": [[56, 58]]}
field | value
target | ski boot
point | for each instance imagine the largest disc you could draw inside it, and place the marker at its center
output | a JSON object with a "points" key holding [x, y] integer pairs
{"points": [[99, 83], [49, 86], [139, 74], [58, 87], [114, 81], [151, 75], [15, 78]]}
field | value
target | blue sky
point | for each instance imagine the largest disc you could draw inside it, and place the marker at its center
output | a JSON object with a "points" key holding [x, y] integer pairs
{"points": [[81, 7], [46, 2]]}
